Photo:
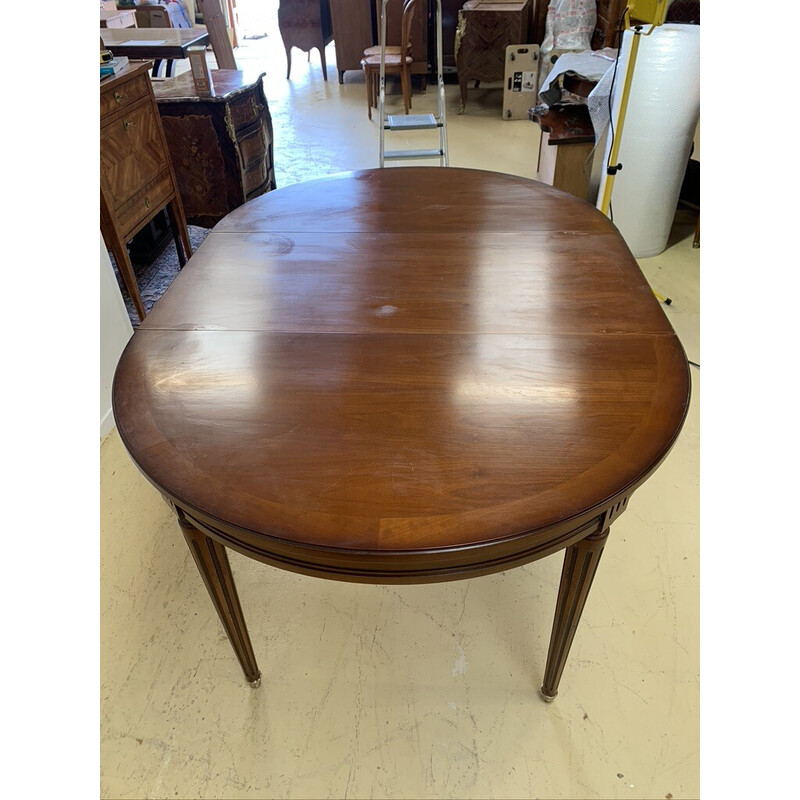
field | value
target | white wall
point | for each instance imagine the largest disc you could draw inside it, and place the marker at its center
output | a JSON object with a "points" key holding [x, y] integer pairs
{"points": [[115, 330]]}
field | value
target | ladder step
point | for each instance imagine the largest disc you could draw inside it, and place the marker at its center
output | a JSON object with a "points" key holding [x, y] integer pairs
{"points": [[413, 154], [411, 122]]}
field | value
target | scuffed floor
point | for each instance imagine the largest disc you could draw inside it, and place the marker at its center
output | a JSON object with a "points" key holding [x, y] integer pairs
{"points": [[405, 692]]}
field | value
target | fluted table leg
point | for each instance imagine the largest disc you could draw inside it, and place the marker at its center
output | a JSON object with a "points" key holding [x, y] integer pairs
{"points": [[212, 562], [580, 566]]}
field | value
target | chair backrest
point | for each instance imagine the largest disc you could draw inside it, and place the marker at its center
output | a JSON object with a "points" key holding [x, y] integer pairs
{"points": [[405, 32]]}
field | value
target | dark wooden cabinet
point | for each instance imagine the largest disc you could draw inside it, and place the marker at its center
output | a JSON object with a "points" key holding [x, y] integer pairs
{"points": [[221, 146], [485, 29], [305, 24], [352, 33], [450, 9], [137, 180]]}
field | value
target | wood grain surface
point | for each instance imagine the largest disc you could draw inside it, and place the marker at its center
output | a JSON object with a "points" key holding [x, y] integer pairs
{"points": [[402, 375]]}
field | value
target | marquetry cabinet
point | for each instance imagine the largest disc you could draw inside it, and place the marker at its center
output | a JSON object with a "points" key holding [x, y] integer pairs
{"points": [[221, 146], [137, 180], [485, 29]]}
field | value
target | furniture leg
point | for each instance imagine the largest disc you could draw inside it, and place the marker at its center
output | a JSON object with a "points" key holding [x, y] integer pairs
{"points": [[177, 221], [156, 67], [321, 49], [212, 562], [341, 76], [577, 574], [120, 253], [405, 89], [696, 240], [368, 85], [288, 62], [462, 85]]}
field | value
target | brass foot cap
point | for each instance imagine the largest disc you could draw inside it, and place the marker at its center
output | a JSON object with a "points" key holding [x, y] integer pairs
{"points": [[256, 683], [548, 698]]}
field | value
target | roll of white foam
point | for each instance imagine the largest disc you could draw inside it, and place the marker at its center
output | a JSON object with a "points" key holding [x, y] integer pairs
{"points": [[663, 110]]}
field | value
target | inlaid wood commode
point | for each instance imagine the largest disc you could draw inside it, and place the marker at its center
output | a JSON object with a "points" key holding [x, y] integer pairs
{"points": [[400, 376], [136, 176], [221, 146]]}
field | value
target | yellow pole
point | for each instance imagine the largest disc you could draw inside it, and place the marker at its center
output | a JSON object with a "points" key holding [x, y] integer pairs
{"points": [[611, 164]]}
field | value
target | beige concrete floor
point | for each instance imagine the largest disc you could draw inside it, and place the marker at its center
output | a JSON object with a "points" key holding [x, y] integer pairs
{"points": [[405, 692]]}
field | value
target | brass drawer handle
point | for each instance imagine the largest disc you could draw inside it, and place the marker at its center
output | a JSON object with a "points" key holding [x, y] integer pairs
{"points": [[120, 97], [127, 124], [256, 107], [147, 202]]}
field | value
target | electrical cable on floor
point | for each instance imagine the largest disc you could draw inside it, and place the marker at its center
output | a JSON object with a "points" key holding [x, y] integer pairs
{"points": [[693, 364]]}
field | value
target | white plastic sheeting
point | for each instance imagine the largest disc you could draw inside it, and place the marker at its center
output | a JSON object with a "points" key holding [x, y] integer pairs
{"points": [[662, 115]]}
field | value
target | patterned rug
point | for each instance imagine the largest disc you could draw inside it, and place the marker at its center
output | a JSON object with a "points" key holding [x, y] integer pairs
{"points": [[154, 279]]}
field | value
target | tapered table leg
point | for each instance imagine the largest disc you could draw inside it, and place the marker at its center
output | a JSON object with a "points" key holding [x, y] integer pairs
{"points": [[580, 565], [212, 561]]}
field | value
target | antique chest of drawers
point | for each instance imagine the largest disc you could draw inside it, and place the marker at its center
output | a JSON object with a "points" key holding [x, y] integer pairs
{"points": [[221, 146], [305, 24], [136, 176], [485, 28]]}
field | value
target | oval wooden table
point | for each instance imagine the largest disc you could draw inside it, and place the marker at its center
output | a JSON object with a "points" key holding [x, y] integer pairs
{"points": [[404, 376]]}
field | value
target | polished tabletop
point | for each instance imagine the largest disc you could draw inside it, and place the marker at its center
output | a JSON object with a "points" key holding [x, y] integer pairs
{"points": [[153, 42], [408, 373]]}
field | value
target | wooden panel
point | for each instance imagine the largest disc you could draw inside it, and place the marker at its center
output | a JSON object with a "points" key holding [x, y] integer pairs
{"points": [[352, 33], [131, 152], [200, 166]]}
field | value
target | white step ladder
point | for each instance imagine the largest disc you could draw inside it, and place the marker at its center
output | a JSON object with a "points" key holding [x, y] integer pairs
{"points": [[413, 122]]}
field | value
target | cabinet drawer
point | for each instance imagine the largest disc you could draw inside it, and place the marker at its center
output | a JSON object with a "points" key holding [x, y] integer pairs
{"points": [[246, 109], [253, 147], [144, 204], [125, 95], [255, 176], [132, 152]]}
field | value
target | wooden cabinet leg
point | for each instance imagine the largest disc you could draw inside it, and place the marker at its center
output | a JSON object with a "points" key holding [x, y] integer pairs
{"points": [[177, 221], [321, 49], [462, 85], [212, 562], [120, 252], [580, 566]]}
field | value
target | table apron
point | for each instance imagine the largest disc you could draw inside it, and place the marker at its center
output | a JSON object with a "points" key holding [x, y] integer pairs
{"points": [[424, 566]]}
